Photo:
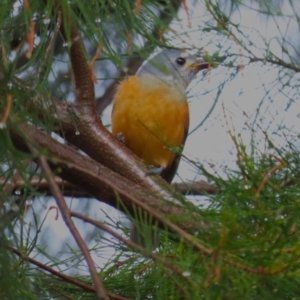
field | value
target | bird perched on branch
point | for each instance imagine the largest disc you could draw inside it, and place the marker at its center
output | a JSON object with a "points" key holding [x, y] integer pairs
{"points": [[151, 111]]}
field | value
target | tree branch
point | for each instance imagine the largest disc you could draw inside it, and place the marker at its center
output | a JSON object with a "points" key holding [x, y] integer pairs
{"points": [[84, 86], [132, 245], [200, 187], [80, 125], [88, 132], [41, 185], [118, 171], [277, 61], [61, 203], [64, 277], [100, 182]]}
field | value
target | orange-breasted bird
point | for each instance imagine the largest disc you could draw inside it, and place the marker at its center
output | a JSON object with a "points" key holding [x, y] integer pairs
{"points": [[151, 110]]}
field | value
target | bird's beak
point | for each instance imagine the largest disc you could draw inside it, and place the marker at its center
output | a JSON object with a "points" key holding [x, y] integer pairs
{"points": [[201, 65]]}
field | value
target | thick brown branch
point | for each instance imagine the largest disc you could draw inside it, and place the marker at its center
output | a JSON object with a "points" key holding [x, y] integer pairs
{"points": [[95, 140], [92, 137], [84, 87], [102, 183], [86, 132], [41, 185]]}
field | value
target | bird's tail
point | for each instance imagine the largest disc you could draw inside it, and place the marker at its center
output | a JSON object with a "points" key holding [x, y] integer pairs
{"points": [[145, 235]]}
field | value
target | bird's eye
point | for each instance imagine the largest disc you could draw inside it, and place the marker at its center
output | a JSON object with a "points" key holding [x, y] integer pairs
{"points": [[180, 61]]}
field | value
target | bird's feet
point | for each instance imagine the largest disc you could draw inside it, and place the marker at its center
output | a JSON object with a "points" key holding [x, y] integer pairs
{"points": [[152, 170], [120, 137]]}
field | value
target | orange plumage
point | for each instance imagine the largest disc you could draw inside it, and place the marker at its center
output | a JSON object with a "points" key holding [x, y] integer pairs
{"points": [[152, 119]]}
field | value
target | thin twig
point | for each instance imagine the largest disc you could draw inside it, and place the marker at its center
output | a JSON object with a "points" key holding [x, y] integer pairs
{"points": [[137, 9], [258, 270], [7, 110], [61, 203], [50, 47], [10, 185], [225, 27], [12, 182], [54, 34], [132, 245], [31, 34], [159, 217], [60, 293], [269, 172], [41, 185], [276, 61], [62, 276], [30, 39], [92, 63], [186, 9], [200, 187]]}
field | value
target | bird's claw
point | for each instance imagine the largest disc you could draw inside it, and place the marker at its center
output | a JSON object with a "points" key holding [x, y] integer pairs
{"points": [[120, 137], [152, 170]]}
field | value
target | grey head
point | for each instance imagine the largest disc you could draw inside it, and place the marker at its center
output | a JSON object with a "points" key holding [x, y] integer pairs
{"points": [[173, 65]]}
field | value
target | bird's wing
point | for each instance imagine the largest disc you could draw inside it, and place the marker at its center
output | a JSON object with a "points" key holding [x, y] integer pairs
{"points": [[169, 172]]}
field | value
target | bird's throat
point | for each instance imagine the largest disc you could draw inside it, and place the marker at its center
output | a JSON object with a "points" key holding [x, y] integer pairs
{"points": [[167, 84]]}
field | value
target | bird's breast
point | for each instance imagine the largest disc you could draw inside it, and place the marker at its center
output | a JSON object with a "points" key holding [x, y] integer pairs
{"points": [[152, 117]]}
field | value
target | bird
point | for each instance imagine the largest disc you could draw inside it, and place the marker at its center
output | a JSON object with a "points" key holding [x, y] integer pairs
{"points": [[151, 113]]}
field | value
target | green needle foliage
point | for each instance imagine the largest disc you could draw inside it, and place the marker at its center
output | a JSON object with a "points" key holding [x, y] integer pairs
{"points": [[242, 244]]}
